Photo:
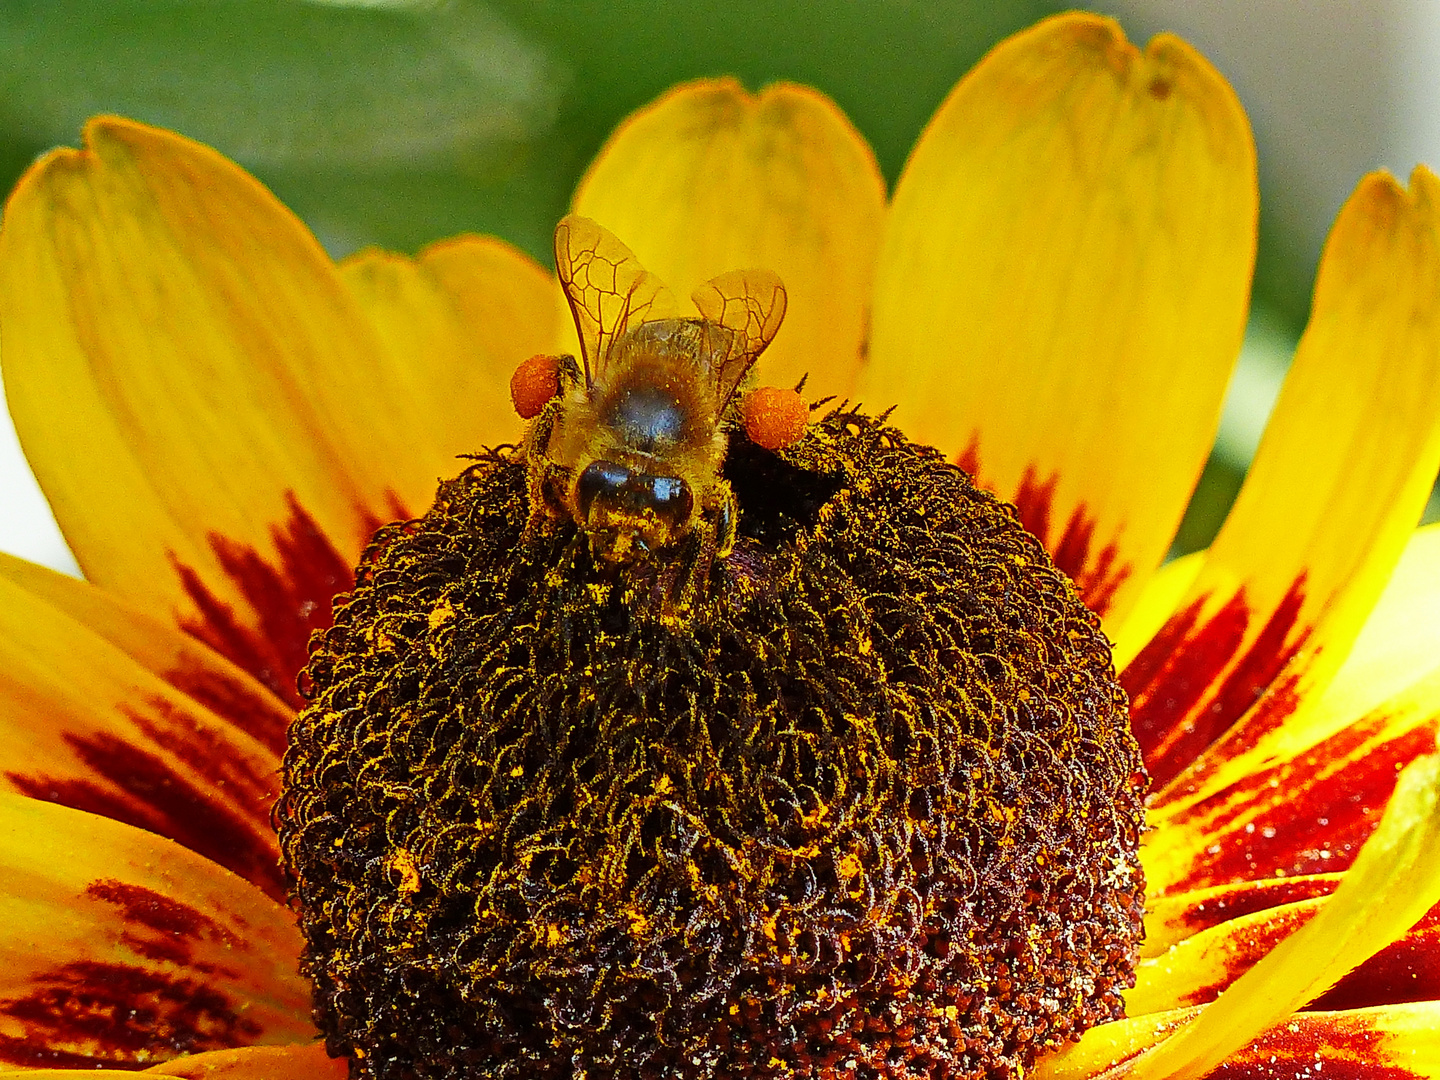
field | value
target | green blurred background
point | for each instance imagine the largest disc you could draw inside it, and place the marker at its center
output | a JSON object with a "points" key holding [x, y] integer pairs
{"points": [[396, 122]]}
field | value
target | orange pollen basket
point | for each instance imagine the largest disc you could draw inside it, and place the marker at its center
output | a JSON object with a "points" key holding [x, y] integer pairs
{"points": [[534, 383], [774, 418]]}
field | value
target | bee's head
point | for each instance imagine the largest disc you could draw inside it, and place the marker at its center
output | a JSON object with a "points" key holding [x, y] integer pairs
{"points": [[628, 513]]}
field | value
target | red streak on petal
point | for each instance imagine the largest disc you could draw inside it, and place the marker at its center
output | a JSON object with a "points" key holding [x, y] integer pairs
{"points": [[1277, 704], [1097, 574], [1247, 898], [1145, 670], [158, 912], [244, 705], [1173, 671], [1309, 815], [289, 600], [1246, 947], [1405, 970], [1339, 1046], [394, 511], [1099, 578], [130, 784], [1033, 502], [207, 751], [1259, 666], [86, 1013], [1188, 686], [161, 928], [969, 458]]}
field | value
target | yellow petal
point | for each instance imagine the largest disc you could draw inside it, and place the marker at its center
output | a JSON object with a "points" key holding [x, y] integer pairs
{"points": [[307, 1062], [188, 666], [84, 724], [1400, 641], [1392, 1042], [300, 1061], [456, 322], [1196, 943], [295, 1062], [1215, 935], [1394, 882], [1296, 805], [1110, 1045], [1377, 706], [119, 946], [710, 178], [1333, 495], [1063, 284], [1176, 917], [506, 298], [183, 363], [1194, 971]]}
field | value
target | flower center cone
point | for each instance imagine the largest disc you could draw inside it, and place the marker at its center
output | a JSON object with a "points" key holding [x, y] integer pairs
{"points": [[868, 807]]}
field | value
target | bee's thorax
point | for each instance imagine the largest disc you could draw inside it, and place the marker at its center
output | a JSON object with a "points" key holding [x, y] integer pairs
{"points": [[647, 416]]}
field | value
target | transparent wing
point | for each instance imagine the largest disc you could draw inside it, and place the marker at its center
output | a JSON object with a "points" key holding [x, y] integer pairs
{"points": [[606, 286], [751, 305]]}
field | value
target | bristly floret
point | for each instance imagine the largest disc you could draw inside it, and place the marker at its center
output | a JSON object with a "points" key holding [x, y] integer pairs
{"points": [[870, 810]]}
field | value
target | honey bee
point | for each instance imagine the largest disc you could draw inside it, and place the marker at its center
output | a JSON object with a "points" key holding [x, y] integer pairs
{"points": [[630, 445]]}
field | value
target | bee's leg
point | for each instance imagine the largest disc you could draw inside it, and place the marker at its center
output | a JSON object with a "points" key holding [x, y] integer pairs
{"points": [[545, 480], [673, 585], [547, 484], [727, 520], [713, 537], [683, 579]]}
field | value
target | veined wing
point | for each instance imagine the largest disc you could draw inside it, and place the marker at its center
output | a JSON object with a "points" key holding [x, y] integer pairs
{"points": [[751, 305], [607, 288]]}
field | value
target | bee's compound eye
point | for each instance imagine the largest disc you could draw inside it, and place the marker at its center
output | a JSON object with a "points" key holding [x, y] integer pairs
{"points": [[623, 491], [534, 383], [774, 418], [669, 497], [601, 477]]}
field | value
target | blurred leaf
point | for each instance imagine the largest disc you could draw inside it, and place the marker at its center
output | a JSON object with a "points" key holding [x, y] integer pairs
{"points": [[277, 82], [1215, 491], [400, 122], [888, 63], [404, 209]]}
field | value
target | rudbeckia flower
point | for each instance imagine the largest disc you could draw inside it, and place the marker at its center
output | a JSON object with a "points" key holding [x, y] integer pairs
{"points": [[1054, 296]]}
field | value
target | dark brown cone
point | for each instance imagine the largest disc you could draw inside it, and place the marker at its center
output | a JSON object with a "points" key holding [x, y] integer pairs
{"points": [[870, 809]]}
